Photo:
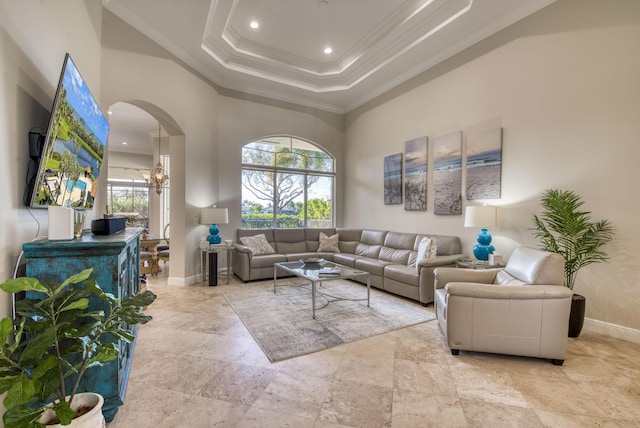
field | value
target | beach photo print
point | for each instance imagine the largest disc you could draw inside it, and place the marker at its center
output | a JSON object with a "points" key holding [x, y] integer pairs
{"points": [[415, 175], [484, 164]]}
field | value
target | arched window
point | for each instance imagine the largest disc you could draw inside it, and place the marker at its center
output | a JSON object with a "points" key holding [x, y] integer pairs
{"points": [[287, 182]]}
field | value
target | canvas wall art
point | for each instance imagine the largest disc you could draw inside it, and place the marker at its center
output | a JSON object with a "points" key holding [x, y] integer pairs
{"points": [[484, 165], [447, 174], [393, 179], [415, 175]]}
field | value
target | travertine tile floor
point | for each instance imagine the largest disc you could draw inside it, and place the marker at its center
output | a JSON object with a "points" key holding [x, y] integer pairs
{"points": [[195, 365]]}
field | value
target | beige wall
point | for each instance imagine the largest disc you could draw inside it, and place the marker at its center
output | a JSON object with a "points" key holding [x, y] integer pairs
{"points": [[564, 85], [31, 55]]}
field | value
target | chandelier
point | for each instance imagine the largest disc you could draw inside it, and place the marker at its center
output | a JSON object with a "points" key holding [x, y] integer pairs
{"points": [[158, 176]]}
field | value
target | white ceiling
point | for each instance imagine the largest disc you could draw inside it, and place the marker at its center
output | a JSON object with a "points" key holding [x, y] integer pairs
{"points": [[377, 44]]}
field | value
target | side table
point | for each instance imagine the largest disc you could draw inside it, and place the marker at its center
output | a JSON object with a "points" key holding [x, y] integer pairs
{"points": [[475, 264], [209, 263]]}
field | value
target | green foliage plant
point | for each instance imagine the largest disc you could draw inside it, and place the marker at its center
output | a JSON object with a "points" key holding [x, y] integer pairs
{"points": [[564, 229], [55, 340]]}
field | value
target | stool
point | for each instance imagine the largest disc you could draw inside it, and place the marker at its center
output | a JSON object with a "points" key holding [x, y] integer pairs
{"points": [[148, 263], [163, 255]]}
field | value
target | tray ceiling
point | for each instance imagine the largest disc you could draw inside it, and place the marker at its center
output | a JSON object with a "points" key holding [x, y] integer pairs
{"points": [[377, 44]]}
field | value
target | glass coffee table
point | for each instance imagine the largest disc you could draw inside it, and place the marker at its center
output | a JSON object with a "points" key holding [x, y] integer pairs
{"points": [[313, 272]]}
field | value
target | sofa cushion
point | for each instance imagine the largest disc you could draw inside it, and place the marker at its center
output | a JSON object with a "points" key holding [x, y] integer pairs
{"points": [[373, 266], [394, 255], [289, 235], [373, 237], [291, 247], [366, 250], [329, 243], [289, 241], [400, 240], [402, 273], [370, 243], [397, 247], [258, 244], [346, 259], [349, 239]]}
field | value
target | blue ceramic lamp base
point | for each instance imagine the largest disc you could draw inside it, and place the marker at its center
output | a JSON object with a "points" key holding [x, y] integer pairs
{"points": [[483, 248], [214, 235]]}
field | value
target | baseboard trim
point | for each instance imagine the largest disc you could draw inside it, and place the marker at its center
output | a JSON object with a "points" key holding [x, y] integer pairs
{"points": [[613, 330], [194, 279], [174, 280]]}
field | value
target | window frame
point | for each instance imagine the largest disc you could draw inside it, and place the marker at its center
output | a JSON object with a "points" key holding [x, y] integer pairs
{"points": [[305, 173]]}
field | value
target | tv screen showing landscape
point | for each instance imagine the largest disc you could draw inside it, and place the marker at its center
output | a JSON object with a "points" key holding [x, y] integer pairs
{"points": [[75, 145]]}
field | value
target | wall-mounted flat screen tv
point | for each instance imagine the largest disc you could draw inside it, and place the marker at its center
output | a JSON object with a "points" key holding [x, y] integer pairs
{"points": [[74, 146]]}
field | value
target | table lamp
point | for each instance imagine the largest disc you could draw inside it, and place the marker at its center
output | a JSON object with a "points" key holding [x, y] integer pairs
{"points": [[214, 216], [484, 217]]}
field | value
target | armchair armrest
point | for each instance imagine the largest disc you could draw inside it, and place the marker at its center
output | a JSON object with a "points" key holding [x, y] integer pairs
{"points": [[492, 291], [444, 276]]}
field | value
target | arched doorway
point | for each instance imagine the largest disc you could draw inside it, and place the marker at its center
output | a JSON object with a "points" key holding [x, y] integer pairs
{"points": [[141, 136]]}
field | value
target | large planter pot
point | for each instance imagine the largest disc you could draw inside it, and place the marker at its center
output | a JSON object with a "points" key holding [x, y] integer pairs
{"points": [[91, 419], [576, 317]]}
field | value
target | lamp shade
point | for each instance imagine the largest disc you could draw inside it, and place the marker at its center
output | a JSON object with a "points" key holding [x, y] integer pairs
{"points": [[483, 216], [214, 216]]}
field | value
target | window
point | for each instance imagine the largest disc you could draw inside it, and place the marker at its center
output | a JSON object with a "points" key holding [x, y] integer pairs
{"points": [[286, 183], [129, 199], [165, 201]]}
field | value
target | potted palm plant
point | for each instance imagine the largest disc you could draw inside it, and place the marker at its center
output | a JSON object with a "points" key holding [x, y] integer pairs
{"points": [[564, 229], [52, 343]]}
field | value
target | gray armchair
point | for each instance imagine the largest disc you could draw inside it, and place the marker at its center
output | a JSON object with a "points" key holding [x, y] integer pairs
{"points": [[522, 309]]}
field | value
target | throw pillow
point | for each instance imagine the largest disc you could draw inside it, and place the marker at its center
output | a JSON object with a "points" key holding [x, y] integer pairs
{"points": [[424, 251], [258, 244], [433, 249], [329, 244]]}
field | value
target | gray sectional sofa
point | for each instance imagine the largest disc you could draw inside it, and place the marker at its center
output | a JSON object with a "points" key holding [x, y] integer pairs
{"points": [[389, 257]]}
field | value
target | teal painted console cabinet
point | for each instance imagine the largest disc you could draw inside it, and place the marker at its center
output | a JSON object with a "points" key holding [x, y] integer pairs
{"points": [[116, 263]]}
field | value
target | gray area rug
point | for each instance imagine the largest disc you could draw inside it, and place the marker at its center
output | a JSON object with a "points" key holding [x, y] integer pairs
{"points": [[283, 326]]}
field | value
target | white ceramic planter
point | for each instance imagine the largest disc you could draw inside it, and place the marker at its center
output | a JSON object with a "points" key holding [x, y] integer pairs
{"points": [[91, 419]]}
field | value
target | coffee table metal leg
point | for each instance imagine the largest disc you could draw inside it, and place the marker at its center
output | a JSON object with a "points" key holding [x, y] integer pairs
{"points": [[313, 298], [368, 290], [275, 277]]}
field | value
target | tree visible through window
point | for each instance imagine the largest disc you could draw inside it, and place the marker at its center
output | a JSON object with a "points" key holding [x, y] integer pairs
{"points": [[129, 199], [286, 183]]}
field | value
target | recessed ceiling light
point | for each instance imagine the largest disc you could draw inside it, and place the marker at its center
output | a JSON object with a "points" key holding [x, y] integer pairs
{"points": [[109, 112], [328, 50], [124, 143], [254, 24]]}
